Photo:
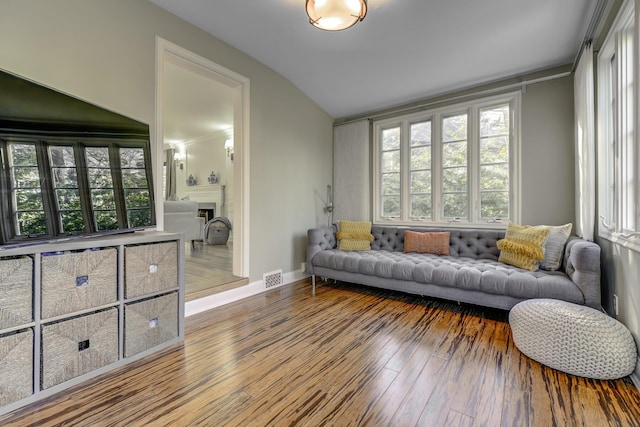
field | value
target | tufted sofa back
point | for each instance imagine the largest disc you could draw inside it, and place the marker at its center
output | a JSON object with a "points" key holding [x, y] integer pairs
{"points": [[470, 242], [464, 242]]}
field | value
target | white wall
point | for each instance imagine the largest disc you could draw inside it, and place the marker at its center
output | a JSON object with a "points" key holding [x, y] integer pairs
{"points": [[204, 157], [104, 52]]}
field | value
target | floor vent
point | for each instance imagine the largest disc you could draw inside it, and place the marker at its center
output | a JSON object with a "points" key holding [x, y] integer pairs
{"points": [[272, 279]]}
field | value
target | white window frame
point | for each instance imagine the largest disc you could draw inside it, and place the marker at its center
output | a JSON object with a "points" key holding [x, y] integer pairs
{"points": [[436, 115], [617, 119]]}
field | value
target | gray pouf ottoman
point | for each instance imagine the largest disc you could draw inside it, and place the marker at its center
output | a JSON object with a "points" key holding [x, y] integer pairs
{"points": [[573, 338]]}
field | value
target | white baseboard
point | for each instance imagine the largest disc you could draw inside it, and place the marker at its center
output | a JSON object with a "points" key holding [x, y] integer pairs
{"points": [[212, 301]]}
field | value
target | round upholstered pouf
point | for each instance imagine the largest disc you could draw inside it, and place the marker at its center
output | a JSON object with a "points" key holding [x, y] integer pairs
{"points": [[572, 338]]}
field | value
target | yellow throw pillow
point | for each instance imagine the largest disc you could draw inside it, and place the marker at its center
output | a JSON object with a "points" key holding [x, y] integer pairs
{"points": [[354, 236], [523, 245], [436, 243]]}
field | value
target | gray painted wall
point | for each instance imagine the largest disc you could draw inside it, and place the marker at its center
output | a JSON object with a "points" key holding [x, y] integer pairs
{"points": [[547, 152], [548, 181], [104, 52]]}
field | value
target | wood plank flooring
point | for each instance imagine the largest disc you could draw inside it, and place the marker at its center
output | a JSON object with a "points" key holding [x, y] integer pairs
{"points": [[346, 356], [208, 270]]}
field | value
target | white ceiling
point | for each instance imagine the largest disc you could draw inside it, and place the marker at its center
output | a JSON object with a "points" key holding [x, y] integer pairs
{"points": [[404, 50]]}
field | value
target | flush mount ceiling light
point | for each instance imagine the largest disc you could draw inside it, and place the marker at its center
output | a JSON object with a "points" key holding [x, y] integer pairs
{"points": [[335, 15]]}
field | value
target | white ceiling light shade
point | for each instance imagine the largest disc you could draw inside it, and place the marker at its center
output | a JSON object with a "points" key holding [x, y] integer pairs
{"points": [[335, 15]]}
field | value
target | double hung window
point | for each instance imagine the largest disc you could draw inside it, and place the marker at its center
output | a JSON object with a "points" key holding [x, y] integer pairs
{"points": [[449, 165], [617, 140]]}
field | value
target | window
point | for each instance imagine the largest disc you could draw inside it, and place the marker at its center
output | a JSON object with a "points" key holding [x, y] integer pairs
{"points": [[447, 166], [617, 147], [53, 187], [26, 194]]}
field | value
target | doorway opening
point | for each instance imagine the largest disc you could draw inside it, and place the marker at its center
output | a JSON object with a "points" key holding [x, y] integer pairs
{"points": [[202, 130]]}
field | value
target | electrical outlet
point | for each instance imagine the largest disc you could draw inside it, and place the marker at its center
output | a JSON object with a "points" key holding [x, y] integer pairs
{"points": [[303, 267], [615, 303]]}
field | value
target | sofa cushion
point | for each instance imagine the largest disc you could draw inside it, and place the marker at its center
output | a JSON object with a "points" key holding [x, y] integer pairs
{"points": [[482, 275], [354, 236], [554, 247], [436, 243], [522, 245]]}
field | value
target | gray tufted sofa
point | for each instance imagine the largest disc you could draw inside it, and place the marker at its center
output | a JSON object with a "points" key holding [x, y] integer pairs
{"points": [[471, 274]]}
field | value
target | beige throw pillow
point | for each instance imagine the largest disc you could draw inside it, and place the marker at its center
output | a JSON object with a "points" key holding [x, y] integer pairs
{"points": [[554, 247]]}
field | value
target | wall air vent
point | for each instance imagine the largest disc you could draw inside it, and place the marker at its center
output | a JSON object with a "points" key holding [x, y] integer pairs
{"points": [[272, 279]]}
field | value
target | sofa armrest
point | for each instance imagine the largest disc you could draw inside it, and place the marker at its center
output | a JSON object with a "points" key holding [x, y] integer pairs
{"points": [[319, 239], [582, 265], [186, 223]]}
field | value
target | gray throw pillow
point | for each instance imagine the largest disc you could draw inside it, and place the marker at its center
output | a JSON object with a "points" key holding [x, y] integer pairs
{"points": [[554, 247]]}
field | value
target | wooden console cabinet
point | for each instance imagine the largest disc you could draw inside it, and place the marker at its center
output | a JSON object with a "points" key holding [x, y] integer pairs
{"points": [[72, 310]]}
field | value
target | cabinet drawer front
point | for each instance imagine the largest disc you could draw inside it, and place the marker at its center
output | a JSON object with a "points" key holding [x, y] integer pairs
{"points": [[77, 281], [79, 345], [150, 268], [16, 365], [16, 292], [149, 323]]}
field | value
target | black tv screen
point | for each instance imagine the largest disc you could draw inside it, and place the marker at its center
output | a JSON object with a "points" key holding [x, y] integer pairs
{"points": [[69, 168]]}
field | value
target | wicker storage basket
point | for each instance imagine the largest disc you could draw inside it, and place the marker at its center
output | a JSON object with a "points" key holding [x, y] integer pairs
{"points": [[79, 345], [150, 268], [16, 365], [16, 292], [150, 322], [78, 280]]}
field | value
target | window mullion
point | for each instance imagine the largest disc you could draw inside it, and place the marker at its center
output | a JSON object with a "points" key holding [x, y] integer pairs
{"points": [[51, 212], [5, 193], [114, 162], [83, 187]]}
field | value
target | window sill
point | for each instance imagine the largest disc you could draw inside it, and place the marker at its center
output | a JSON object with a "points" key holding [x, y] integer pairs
{"points": [[632, 243], [461, 224]]}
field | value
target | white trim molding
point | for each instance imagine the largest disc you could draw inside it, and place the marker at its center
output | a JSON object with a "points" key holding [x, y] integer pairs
{"points": [[167, 51], [217, 300]]}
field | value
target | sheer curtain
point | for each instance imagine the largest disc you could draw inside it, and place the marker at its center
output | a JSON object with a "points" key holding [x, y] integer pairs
{"points": [[170, 188], [351, 172], [585, 145]]}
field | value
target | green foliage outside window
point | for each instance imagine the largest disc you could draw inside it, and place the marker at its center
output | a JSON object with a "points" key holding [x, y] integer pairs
{"points": [[67, 192], [494, 162], [420, 174], [473, 164]]}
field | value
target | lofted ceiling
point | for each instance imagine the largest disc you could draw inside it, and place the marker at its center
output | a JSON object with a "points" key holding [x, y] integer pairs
{"points": [[404, 50]]}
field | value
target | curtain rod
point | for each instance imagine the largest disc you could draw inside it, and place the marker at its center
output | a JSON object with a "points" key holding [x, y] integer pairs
{"points": [[598, 13], [520, 85]]}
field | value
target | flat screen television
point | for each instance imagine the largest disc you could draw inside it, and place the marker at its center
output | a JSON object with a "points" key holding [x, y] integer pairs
{"points": [[68, 168]]}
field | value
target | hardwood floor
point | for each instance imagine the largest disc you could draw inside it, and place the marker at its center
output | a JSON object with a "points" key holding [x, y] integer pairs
{"points": [[346, 356], [208, 270]]}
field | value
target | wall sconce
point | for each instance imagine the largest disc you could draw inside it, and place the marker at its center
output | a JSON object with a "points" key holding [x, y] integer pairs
{"points": [[228, 145], [179, 157]]}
